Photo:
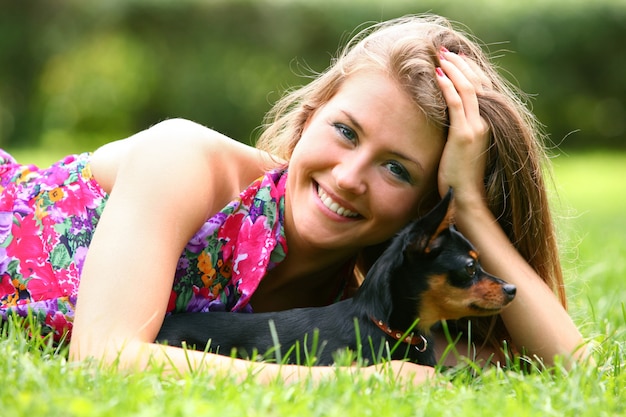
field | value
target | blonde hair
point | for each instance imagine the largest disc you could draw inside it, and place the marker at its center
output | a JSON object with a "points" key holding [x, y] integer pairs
{"points": [[407, 49]]}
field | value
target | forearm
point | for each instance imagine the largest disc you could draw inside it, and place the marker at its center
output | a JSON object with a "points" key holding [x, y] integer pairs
{"points": [[180, 362], [139, 356], [536, 320]]}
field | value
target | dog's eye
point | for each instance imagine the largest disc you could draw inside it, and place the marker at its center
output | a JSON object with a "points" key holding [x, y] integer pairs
{"points": [[470, 268]]}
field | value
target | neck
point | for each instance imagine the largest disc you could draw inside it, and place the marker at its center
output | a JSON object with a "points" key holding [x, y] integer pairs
{"points": [[289, 285], [303, 274], [304, 260]]}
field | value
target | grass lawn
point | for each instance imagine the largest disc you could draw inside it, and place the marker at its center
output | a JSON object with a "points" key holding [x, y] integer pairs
{"points": [[38, 381]]}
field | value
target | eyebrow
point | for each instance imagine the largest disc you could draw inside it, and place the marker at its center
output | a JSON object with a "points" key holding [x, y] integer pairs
{"points": [[352, 120], [399, 154]]}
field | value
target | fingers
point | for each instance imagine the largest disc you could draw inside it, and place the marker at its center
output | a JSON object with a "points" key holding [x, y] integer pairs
{"points": [[470, 69], [461, 81], [463, 159], [478, 77]]}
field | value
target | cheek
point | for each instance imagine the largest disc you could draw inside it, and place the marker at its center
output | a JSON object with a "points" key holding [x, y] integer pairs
{"points": [[398, 207], [310, 146], [303, 155]]}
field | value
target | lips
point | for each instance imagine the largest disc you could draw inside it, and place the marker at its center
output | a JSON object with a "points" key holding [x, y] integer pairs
{"points": [[334, 206]]}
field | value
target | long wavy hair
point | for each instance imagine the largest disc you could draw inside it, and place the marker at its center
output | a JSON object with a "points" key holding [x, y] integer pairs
{"points": [[407, 49]]}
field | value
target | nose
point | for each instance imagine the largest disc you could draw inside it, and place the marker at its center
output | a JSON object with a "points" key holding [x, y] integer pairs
{"points": [[350, 175], [509, 290]]}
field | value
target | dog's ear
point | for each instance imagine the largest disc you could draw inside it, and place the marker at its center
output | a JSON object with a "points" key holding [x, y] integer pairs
{"points": [[430, 226]]}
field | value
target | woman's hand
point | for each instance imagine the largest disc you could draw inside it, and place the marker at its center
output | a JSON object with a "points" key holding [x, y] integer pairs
{"points": [[402, 372], [407, 372], [462, 164], [535, 320]]}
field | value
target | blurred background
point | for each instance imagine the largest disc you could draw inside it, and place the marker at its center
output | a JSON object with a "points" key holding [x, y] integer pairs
{"points": [[76, 74]]}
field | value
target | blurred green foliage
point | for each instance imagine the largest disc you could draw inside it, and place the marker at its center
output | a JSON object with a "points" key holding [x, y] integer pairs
{"points": [[76, 74]]}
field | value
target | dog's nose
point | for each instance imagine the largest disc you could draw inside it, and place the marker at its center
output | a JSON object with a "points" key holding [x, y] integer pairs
{"points": [[509, 290]]}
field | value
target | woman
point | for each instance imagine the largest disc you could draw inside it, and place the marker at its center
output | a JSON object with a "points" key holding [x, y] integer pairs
{"points": [[343, 163]]}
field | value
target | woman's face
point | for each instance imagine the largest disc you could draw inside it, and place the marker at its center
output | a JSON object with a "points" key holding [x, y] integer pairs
{"points": [[364, 161]]}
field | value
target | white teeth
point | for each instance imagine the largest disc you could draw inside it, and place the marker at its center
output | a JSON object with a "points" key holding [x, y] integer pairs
{"points": [[333, 205]]}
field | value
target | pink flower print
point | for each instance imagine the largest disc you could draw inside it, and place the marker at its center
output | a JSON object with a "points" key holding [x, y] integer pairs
{"points": [[43, 285], [251, 258], [55, 176], [66, 161], [6, 285], [26, 243], [72, 202], [228, 234], [277, 192], [247, 195], [61, 326], [8, 198], [67, 280]]}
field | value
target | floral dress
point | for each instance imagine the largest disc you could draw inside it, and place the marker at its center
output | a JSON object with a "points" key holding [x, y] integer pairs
{"points": [[47, 219]]}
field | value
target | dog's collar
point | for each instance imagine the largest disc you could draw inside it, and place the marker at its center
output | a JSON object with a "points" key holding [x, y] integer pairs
{"points": [[397, 334]]}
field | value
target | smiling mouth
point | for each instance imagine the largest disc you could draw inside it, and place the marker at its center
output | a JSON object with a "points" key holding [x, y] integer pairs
{"points": [[333, 206]]}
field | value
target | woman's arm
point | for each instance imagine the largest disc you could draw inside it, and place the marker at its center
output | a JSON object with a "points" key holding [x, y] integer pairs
{"points": [[137, 356], [164, 184], [536, 320]]}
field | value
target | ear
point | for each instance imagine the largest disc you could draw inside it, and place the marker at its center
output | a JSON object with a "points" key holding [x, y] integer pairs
{"points": [[430, 226]]}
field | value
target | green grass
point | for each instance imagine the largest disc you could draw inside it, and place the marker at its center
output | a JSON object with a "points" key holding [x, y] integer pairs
{"points": [[38, 381], [593, 207]]}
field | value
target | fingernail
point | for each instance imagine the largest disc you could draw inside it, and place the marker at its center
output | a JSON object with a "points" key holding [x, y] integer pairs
{"points": [[439, 72], [444, 49]]}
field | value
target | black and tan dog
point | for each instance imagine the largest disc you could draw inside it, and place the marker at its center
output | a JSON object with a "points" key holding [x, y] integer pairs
{"points": [[428, 273]]}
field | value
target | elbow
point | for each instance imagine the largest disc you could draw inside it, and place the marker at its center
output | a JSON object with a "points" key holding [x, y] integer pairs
{"points": [[85, 345], [125, 354], [90, 345], [80, 350]]}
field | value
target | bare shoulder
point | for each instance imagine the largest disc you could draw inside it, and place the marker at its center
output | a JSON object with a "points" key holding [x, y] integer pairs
{"points": [[176, 169], [183, 148]]}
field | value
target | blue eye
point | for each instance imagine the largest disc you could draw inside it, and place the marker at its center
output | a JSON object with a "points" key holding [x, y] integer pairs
{"points": [[346, 132], [398, 170]]}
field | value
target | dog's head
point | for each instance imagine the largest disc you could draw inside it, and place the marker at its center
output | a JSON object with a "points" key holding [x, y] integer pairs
{"points": [[453, 283]]}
